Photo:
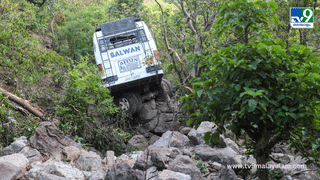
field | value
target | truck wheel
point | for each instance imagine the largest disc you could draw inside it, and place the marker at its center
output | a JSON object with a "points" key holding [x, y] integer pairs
{"points": [[127, 102], [168, 86], [138, 101]]}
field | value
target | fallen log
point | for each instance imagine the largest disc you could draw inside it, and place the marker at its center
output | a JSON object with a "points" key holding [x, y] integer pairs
{"points": [[24, 103]]}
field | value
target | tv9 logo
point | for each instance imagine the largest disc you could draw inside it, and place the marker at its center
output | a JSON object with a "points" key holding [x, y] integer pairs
{"points": [[301, 17]]}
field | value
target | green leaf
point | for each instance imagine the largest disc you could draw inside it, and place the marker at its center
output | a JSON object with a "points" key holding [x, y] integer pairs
{"points": [[238, 87], [190, 121], [207, 137], [239, 30], [199, 92], [243, 24], [183, 107], [285, 108], [252, 104], [275, 19]]}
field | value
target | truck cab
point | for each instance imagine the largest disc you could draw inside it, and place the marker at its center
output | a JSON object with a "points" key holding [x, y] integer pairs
{"points": [[128, 61]]}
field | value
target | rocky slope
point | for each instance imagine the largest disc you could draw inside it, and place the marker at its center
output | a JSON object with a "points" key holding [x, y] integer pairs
{"points": [[179, 154]]}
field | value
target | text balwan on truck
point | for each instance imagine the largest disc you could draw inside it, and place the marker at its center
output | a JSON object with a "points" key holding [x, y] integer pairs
{"points": [[128, 60]]}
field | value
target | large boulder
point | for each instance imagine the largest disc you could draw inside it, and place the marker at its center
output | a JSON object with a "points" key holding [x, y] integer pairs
{"points": [[172, 139], [224, 156], [157, 156], [18, 160], [121, 171], [161, 123], [49, 140], [89, 161], [71, 152], [15, 147], [8, 171], [64, 170], [184, 164], [138, 141], [171, 175], [148, 111]]}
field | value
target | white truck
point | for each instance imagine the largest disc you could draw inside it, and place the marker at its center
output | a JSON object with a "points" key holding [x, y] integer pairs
{"points": [[128, 61]]}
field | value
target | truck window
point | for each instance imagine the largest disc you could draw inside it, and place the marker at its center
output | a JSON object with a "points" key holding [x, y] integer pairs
{"points": [[122, 40]]}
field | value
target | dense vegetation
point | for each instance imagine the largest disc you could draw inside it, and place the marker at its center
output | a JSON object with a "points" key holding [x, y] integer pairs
{"points": [[245, 48]]}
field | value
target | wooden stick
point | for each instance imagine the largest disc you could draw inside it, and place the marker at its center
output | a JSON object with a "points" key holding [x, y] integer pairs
{"points": [[24, 103]]}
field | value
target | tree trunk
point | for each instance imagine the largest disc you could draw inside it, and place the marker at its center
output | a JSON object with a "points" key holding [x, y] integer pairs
{"points": [[24, 103], [262, 171]]}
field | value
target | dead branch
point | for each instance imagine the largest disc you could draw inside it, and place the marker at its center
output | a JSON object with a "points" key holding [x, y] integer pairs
{"points": [[53, 14], [24, 103], [22, 110]]}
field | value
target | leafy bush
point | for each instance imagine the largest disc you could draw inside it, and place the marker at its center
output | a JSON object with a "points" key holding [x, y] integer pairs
{"points": [[264, 90], [87, 110]]}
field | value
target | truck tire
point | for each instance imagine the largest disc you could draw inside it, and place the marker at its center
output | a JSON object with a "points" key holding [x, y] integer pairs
{"points": [[127, 102], [169, 86], [138, 101]]}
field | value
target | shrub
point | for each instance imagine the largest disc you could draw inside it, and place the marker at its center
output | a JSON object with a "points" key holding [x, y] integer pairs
{"points": [[263, 90]]}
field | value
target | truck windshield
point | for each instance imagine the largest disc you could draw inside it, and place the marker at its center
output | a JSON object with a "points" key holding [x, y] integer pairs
{"points": [[122, 40]]}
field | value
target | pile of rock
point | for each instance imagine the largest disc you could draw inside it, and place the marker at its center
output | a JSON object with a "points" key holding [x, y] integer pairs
{"points": [[176, 155]]}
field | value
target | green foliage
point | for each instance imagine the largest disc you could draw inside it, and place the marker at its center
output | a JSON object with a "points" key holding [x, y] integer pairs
{"points": [[124, 8], [244, 17], [88, 107], [269, 92], [75, 36]]}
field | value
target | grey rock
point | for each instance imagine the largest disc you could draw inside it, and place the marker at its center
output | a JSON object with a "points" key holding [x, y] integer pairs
{"points": [[152, 173], [172, 139], [18, 160], [224, 156], [157, 156], [232, 144], [121, 171], [64, 170], [184, 164], [15, 147], [8, 171], [171, 175], [227, 174], [285, 159], [153, 139], [158, 161], [216, 165], [161, 123], [46, 176], [48, 139], [97, 176], [89, 161], [196, 135], [165, 123], [110, 158], [186, 152], [148, 111], [139, 175], [185, 130], [221, 143], [32, 154], [138, 141], [71, 152]]}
